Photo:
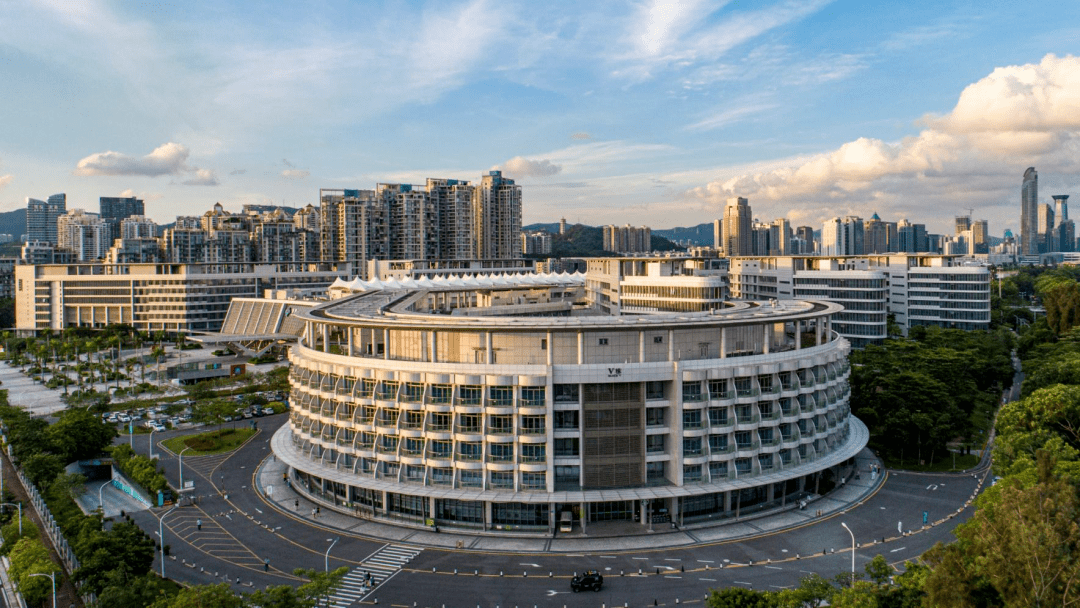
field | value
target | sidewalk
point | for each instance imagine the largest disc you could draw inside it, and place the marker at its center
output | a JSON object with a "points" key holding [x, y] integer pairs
{"points": [[284, 498], [12, 599]]}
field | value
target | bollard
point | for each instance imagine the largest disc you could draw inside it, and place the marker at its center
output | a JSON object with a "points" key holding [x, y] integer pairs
{"points": [[796, 556], [676, 601], [476, 573], [455, 571], [658, 572], [433, 569], [750, 562], [375, 601], [500, 573], [549, 573], [525, 574], [682, 568], [621, 573]]}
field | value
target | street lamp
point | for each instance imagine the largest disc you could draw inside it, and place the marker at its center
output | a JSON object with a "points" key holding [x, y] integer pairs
{"points": [[151, 448], [326, 565], [19, 505], [182, 467], [161, 537], [52, 579], [852, 552], [100, 498]]}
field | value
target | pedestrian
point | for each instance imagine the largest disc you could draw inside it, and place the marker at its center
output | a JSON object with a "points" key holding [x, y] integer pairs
{"points": [[198, 524], [318, 511], [266, 565], [313, 513], [296, 505]]}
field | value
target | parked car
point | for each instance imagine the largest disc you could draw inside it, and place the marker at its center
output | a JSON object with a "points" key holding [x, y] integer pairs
{"points": [[268, 411], [123, 418], [245, 414], [590, 579], [157, 426]]}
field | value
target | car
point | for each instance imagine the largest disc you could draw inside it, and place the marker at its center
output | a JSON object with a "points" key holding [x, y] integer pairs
{"points": [[157, 427], [124, 418], [246, 414], [590, 579], [268, 411]]}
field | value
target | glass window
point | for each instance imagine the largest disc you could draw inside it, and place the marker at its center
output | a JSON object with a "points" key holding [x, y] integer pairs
{"points": [[441, 393], [502, 452], [654, 416], [692, 419], [567, 446], [654, 444], [502, 395], [502, 480], [533, 453], [566, 420], [471, 395], [532, 396], [533, 425], [692, 446], [656, 472], [498, 425], [534, 481], [654, 389], [567, 393], [692, 473]]}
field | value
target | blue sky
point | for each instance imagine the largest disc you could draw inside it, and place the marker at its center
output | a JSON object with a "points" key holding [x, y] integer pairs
{"points": [[607, 112]]}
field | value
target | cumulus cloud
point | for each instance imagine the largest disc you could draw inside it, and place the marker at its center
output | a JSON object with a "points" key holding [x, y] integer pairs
{"points": [[580, 135], [519, 166], [202, 177], [1017, 116], [5, 180], [295, 173], [166, 159]]}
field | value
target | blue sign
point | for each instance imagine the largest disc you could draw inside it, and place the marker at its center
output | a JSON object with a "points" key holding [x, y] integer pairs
{"points": [[925, 516]]}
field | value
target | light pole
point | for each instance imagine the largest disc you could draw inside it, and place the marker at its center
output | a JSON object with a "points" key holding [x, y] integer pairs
{"points": [[161, 537], [151, 448], [852, 552], [182, 467], [100, 497], [52, 579], [19, 505], [326, 565]]}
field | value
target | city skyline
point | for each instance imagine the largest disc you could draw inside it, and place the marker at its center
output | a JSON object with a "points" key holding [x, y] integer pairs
{"points": [[655, 117]]}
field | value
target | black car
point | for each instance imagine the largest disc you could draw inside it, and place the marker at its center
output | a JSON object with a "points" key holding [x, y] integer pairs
{"points": [[590, 579]]}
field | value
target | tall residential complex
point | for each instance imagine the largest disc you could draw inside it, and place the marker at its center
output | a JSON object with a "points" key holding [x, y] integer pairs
{"points": [[86, 235], [497, 213], [980, 237], [627, 239], [842, 236], [116, 208], [738, 227], [1029, 213], [911, 238], [41, 218]]}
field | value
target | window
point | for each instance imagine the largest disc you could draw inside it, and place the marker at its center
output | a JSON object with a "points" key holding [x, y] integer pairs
{"points": [[744, 440], [718, 389], [691, 391], [692, 473], [469, 450], [499, 425], [439, 423], [658, 339], [502, 479], [654, 444], [533, 425], [440, 448], [566, 420], [502, 452], [471, 395], [569, 474], [718, 470], [567, 393], [533, 452], [468, 423], [413, 447], [532, 396], [568, 446], [718, 444], [543, 344], [602, 341], [691, 419], [718, 416], [502, 395], [654, 416], [441, 393], [470, 479], [656, 472], [692, 446], [743, 466], [413, 392], [654, 389]]}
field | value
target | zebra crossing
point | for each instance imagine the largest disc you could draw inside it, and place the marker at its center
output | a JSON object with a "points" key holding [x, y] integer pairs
{"points": [[379, 566]]}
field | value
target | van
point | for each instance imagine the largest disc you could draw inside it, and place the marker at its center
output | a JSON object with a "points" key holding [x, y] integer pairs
{"points": [[566, 522]]}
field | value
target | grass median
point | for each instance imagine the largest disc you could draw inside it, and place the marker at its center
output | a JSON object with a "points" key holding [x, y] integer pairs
{"points": [[211, 442]]}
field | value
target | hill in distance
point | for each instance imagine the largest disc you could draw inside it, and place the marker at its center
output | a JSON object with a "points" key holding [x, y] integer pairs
{"points": [[587, 241], [702, 234]]}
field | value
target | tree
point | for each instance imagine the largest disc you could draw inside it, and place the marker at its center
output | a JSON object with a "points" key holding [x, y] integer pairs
{"points": [[878, 570], [42, 468], [10, 533], [739, 597], [28, 557], [80, 435], [202, 596], [279, 596], [121, 589], [813, 591], [320, 584], [100, 552]]}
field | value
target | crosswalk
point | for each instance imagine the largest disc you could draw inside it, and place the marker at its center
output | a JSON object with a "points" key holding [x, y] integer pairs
{"points": [[380, 566]]}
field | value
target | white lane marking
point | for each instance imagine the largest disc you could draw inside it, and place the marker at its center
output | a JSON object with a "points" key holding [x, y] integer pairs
{"points": [[672, 559], [705, 561], [774, 567], [743, 583], [900, 549], [711, 580]]}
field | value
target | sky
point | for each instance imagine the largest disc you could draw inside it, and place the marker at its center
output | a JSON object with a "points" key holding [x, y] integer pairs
{"points": [[648, 113]]}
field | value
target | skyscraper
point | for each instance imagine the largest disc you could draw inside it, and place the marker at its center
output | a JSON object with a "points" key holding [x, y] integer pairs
{"points": [[116, 208], [1029, 213], [980, 237], [1044, 228], [84, 234], [41, 218], [1061, 208], [806, 233], [497, 213], [842, 236], [738, 226]]}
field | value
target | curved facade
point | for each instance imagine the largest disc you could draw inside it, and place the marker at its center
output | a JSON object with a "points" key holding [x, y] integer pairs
{"points": [[404, 412]]}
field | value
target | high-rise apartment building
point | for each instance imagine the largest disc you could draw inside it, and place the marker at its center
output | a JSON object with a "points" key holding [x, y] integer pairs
{"points": [[115, 208], [627, 239], [806, 234], [843, 236], [1066, 236], [718, 234], [452, 200], [963, 223], [738, 226], [911, 238], [137, 227], [86, 235], [497, 213], [536, 243], [1029, 213], [780, 237], [41, 218]]}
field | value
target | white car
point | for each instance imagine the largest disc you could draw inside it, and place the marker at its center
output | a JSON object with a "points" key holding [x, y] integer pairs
{"points": [[157, 426]]}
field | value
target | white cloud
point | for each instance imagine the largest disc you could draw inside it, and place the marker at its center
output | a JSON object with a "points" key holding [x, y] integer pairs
{"points": [[580, 135], [730, 115], [520, 166], [167, 159], [202, 177], [295, 173], [1018, 116], [5, 180], [145, 196]]}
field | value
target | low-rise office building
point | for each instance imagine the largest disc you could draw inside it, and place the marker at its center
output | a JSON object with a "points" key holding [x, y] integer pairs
{"points": [[170, 297], [656, 284], [405, 411]]}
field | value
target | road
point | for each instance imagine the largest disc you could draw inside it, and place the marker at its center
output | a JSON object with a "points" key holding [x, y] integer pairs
{"points": [[246, 540]]}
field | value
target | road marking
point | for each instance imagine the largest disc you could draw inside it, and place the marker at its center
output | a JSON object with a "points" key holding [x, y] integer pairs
{"points": [[743, 583], [711, 580], [645, 558], [705, 561], [607, 556], [806, 572], [669, 576], [672, 559], [532, 565], [900, 549], [774, 567]]}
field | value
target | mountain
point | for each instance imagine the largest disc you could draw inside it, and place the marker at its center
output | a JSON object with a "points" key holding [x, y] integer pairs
{"points": [[702, 234], [13, 223], [581, 241]]}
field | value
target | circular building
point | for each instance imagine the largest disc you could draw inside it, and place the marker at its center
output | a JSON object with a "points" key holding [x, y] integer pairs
{"points": [[494, 405]]}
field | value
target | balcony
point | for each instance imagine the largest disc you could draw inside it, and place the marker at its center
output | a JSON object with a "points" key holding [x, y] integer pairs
{"points": [[692, 452], [500, 430], [772, 442], [499, 402], [438, 428], [747, 392], [533, 431], [438, 455], [540, 459], [471, 457], [693, 398], [468, 430], [721, 424], [719, 450], [773, 415], [501, 458], [471, 401], [387, 449], [693, 425], [722, 396], [532, 403]]}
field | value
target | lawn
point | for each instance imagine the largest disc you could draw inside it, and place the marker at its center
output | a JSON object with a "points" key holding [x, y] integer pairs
{"points": [[212, 442], [941, 465]]}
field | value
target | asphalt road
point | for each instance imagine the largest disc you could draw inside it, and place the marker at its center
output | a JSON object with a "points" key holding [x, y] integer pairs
{"points": [[245, 541]]}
